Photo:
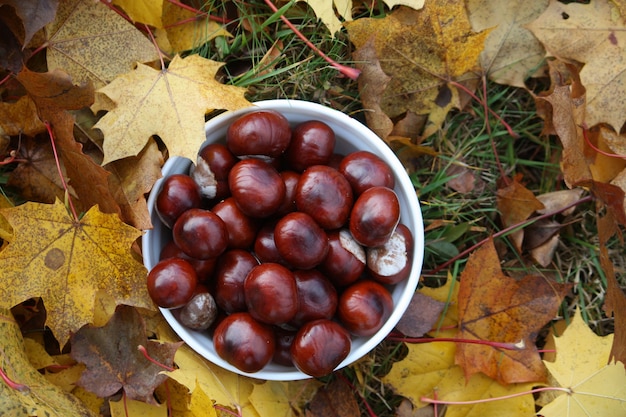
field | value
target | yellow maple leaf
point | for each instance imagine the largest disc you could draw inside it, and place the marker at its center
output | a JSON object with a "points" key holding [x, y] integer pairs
{"points": [[66, 262], [597, 387], [423, 52], [593, 34], [143, 11], [511, 53], [170, 103], [90, 41]]}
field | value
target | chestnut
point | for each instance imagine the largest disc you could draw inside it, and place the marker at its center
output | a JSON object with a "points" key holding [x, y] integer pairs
{"points": [[364, 170], [312, 143], [263, 133], [200, 312], [204, 267], [319, 347], [231, 272], [324, 194], [271, 293], [200, 234], [265, 246], [257, 187], [317, 296], [290, 178], [172, 282], [178, 193], [284, 339], [391, 262], [374, 216], [244, 342], [364, 307], [241, 229], [345, 261], [213, 164], [300, 240]]}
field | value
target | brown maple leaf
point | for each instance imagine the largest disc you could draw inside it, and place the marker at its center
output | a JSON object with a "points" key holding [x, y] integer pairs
{"points": [[495, 307], [114, 361]]}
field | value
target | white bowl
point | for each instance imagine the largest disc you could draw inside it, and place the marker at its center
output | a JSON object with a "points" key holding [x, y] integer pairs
{"points": [[351, 136]]}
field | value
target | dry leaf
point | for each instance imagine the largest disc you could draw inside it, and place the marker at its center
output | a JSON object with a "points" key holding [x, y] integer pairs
{"points": [[497, 308], [66, 262], [39, 397], [592, 34], [420, 316], [33, 14], [283, 398], [512, 54], [20, 118], [597, 388], [423, 51], [169, 103], [92, 42], [148, 12], [336, 399], [114, 361], [516, 203]]}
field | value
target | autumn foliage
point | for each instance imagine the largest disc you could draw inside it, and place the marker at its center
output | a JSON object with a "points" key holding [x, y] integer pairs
{"points": [[96, 95]]}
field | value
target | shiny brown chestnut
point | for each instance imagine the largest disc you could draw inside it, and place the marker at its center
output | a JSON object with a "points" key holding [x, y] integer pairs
{"points": [[231, 271], [391, 262], [271, 294], [345, 261], [213, 164], [263, 133], [257, 187], [300, 240], [290, 178], [204, 267], [374, 216], [364, 307], [241, 229], [319, 347], [265, 246], [284, 339], [171, 283], [324, 194], [317, 296], [200, 312], [178, 193], [244, 342], [200, 234], [312, 143], [364, 170]]}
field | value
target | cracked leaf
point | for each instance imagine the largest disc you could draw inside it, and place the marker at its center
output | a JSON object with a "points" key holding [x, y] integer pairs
{"points": [[66, 262], [169, 103]]}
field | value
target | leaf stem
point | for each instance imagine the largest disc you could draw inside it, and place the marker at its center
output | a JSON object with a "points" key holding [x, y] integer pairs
{"points": [[595, 148], [509, 229], [503, 397], [12, 384], [500, 345], [60, 171], [144, 352], [352, 73]]}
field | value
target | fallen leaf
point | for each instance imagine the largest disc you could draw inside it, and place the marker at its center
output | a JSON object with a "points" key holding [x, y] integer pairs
{"points": [[515, 204], [611, 196], [448, 294], [590, 34], [129, 408], [512, 54], [54, 93], [420, 316], [20, 118], [184, 403], [114, 361], [33, 14], [372, 83], [602, 165], [494, 307], [90, 41], [131, 179], [558, 200], [66, 262], [406, 409], [283, 398], [463, 179], [148, 12], [424, 52], [185, 31], [38, 397], [567, 117], [336, 399], [170, 103], [597, 388], [13, 56]]}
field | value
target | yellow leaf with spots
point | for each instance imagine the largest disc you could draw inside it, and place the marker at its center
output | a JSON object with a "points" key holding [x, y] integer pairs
{"points": [[425, 52], [66, 262], [170, 103], [90, 41]]}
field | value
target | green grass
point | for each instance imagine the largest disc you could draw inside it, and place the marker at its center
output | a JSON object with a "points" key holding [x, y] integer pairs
{"points": [[468, 139]]}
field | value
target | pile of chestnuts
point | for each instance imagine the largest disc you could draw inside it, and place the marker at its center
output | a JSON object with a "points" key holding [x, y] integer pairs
{"points": [[280, 248]]}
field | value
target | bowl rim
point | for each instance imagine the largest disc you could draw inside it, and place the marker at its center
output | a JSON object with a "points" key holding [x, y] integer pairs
{"points": [[403, 182]]}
